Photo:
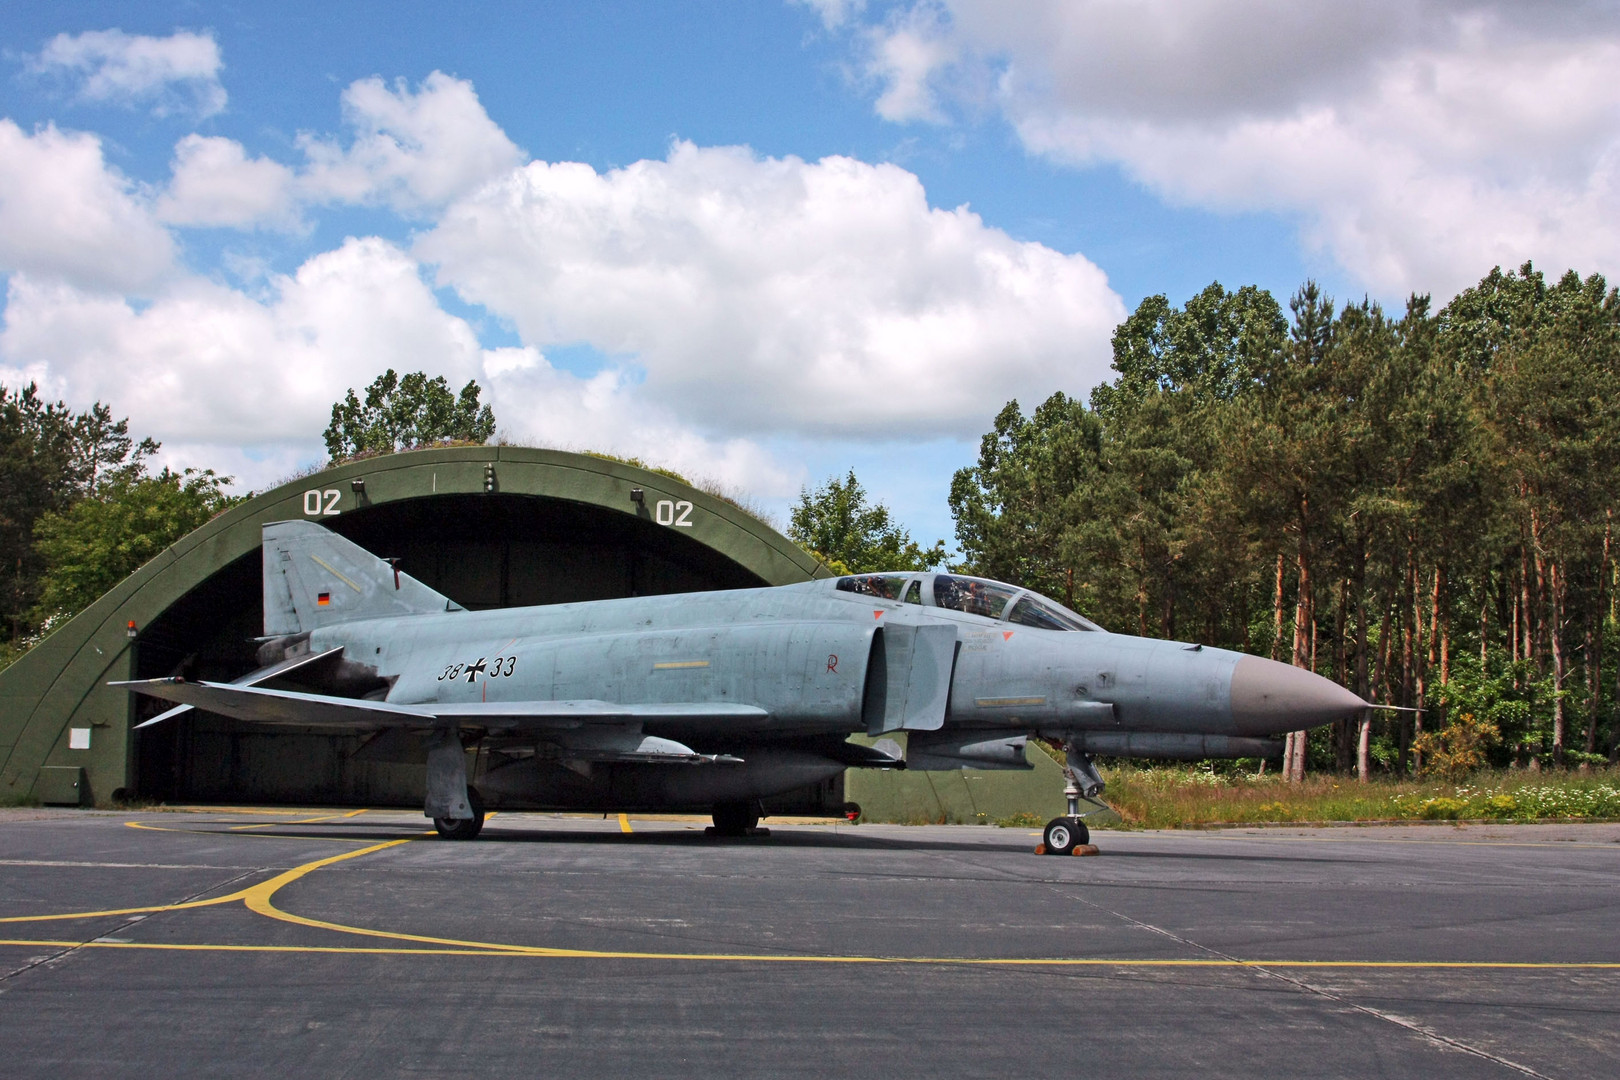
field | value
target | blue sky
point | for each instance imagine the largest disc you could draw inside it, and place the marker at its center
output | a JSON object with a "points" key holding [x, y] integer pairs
{"points": [[726, 237]]}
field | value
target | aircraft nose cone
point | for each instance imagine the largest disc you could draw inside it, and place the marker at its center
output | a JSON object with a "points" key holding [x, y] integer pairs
{"points": [[1268, 697]]}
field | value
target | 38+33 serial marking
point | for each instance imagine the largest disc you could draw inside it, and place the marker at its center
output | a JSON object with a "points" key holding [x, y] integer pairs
{"points": [[499, 668]]}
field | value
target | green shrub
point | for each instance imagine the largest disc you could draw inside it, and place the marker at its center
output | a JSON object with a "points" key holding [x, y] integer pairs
{"points": [[1442, 808]]}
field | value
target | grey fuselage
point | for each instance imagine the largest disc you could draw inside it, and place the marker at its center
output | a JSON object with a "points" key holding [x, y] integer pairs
{"points": [[801, 653]]}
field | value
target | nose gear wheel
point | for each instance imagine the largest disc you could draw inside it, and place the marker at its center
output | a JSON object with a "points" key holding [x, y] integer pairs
{"points": [[1064, 834]]}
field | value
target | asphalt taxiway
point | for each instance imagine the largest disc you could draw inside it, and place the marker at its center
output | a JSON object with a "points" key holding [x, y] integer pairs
{"points": [[250, 942]]}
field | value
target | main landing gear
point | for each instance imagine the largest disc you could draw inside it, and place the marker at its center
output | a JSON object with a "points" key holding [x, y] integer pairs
{"points": [[463, 828], [735, 819], [1066, 833]]}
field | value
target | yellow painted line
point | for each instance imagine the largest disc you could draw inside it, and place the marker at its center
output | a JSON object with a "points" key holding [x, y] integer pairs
{"points": [[970, 961], [269, 836], [333, 571], [122, 911], [255, 810], [300, 821], [672, 665], [1555, 845], [624, 823], [180, 947], [258, 899]]}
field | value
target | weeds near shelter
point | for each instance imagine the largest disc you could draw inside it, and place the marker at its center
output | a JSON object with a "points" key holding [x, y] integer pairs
{"points": [[1172, 797]]}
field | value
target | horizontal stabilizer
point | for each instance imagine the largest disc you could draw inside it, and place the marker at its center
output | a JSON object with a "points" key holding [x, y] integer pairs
{"points": [[262, 706], [306, 664], [167, 714], [266, 706]]}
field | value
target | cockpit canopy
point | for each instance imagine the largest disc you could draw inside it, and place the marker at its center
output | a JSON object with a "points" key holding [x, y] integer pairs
{"points": [[975, 596]]}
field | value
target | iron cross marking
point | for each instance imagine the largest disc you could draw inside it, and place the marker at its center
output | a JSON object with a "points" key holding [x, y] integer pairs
{"points": [[475, 669]]}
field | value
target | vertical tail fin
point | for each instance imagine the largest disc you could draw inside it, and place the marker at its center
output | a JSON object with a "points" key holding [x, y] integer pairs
{"points": [[313, 578]]}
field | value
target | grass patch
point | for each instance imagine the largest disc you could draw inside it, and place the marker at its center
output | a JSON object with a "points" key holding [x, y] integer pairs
{"points": [[1021, 820], [1168, 798]]}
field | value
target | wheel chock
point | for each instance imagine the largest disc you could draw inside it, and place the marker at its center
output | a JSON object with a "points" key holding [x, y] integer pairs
{"points": [[1086, 849]]}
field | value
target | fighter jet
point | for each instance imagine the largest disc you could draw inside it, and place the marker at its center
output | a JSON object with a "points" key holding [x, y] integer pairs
{"points": [[714, 701]]}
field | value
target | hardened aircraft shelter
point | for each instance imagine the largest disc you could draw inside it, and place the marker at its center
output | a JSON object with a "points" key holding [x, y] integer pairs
{"points": [[493, 526]]}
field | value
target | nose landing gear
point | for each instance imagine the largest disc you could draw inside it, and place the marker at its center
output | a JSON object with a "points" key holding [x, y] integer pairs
{"points": [[1066, 833]]}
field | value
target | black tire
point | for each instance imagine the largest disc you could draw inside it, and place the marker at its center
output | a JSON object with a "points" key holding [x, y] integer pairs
{"points": [[464, 828], [735, 819], [1064, 834]]}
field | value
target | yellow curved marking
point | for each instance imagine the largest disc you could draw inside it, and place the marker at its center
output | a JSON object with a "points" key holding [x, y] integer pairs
{"points": [[624, 823], [300, 821], [123, 911], [257, 811], [257, 898], [240, 894], [272, 836]]}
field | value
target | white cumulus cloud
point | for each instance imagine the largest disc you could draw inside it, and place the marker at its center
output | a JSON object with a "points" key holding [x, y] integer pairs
{"points": [[216, 183], [735, 304], [411, 150], [835, 13], [758, 294], [609, 411], [1418, 142], [245, 383], [65, 214], [178, 73], [203, 362]]}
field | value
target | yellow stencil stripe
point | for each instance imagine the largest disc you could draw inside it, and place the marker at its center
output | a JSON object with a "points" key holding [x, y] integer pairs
{"points": [[333, 571]]}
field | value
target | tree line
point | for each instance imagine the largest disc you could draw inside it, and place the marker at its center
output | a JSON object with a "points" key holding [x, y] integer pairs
{"points": [[81, 507], [1418, 505]]}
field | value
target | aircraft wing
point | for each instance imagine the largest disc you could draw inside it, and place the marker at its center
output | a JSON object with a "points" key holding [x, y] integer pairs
{"points": [[263, 705]]}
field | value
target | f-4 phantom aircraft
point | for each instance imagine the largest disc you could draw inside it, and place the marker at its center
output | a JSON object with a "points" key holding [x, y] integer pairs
{"points": [[714, 701]]}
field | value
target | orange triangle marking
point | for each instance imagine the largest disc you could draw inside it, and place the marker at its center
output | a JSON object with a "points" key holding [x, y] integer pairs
{"points": [[1006, 635], [877, 614]]}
